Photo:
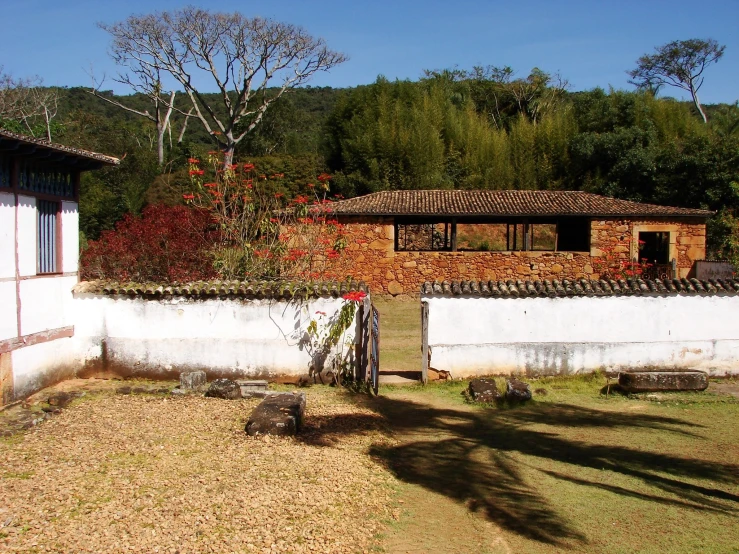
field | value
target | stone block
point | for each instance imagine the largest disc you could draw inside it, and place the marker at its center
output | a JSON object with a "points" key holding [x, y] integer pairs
{"points": [[279, 414], [657, 381], [224, 388], [517, 391], [409, 264], [192, 380], [394, 288], [249, 388], [483, 390]]}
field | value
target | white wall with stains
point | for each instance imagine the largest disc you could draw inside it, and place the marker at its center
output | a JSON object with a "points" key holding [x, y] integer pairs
{"points": [[234, 338], [478, 336]]}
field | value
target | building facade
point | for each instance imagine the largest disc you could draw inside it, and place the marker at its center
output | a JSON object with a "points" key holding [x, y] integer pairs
{"points": [[396, 240], [39, 251]]}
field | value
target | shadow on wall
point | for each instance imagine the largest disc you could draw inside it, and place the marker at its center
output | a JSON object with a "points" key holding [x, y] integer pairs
{"points": [[470, 456]]}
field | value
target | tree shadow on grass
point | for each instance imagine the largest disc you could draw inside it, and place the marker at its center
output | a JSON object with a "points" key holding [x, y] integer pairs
{"points": [[471, 456]]}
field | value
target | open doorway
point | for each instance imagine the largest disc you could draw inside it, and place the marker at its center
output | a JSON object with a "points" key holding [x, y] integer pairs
{"points": [[654, 247]]}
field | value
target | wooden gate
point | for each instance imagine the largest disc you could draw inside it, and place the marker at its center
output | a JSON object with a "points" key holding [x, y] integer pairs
{"points": [[368, 346]]}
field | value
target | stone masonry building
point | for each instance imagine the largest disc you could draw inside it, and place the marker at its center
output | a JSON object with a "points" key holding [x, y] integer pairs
{"points": [[397, 240]]}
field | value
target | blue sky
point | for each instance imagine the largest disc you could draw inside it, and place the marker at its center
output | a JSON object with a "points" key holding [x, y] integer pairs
{"points": [[590, 43]]}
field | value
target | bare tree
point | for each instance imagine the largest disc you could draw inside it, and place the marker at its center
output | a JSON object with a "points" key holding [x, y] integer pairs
{"points": [[147, 80], [242, 56], [679, 63], [27, 103]]}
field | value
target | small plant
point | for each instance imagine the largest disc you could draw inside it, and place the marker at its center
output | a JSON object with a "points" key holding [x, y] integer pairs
{"points": [[326, 332]]}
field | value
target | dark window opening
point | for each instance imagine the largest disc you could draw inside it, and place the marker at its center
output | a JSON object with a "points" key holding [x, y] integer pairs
{"points": [[562, 235], [423, 236], [573, 234], [48, 259], [654, 247]]}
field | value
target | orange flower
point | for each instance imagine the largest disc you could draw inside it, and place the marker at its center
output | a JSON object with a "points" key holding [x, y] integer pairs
{"points": [[323, 177], [196, 172], [248, 167]]}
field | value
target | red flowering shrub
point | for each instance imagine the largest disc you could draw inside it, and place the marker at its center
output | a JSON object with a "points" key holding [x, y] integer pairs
{"points": [[165, 244]]}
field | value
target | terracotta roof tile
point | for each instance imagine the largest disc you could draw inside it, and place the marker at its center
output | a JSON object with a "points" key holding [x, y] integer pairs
{"points": [[45, 145], [582, 287], [219, 288], [502, 203]]}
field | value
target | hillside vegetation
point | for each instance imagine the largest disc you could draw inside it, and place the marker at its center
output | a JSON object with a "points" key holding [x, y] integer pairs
{"points": [[450, 129]]}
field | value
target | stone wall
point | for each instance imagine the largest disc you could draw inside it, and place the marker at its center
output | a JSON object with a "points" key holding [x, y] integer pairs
{"points": [[371, 257]]}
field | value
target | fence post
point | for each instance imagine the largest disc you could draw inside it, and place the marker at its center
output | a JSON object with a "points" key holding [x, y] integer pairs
{"points": [[424, 342], [364, 337]]}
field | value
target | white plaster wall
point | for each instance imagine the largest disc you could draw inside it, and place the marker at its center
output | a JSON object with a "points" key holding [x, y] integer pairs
{"points": [[46, 303], [27, 223], [7, 236], [8, 311], [563, 335], [228, 337], [40, 365], [70, 237]]}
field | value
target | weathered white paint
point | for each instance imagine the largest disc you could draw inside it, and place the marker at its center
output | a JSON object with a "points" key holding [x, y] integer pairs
{"points": [[70, 237], [7, 236], [27, 239], [225, 337], [41, 365], [472, 335], [46, 303], [8, 310]]}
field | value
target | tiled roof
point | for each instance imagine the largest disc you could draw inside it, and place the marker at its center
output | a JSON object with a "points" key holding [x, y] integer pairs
{"points": [[582, 287], [217, 288], [502, 203], [45, 147]]}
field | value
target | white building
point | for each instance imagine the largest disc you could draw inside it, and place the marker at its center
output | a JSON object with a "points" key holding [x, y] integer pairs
{"points": [[39, 252]]}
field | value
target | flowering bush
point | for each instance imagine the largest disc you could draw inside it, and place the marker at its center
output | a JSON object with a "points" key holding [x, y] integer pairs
{"points": [[262, 234], [610, 266], [167, 243], [325, 333]]}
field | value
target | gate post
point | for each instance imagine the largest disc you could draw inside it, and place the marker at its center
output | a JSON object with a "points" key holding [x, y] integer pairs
{"points": [[424, 342]]}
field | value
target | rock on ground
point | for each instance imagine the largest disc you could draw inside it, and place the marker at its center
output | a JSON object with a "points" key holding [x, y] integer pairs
{"points": [[190, 380], [224, 388], [280, 414], [483, 390], [517, 391], [655, 381]]}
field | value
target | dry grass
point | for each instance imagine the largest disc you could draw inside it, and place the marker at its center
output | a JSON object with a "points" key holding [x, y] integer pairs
{"points": [[149, 473]]}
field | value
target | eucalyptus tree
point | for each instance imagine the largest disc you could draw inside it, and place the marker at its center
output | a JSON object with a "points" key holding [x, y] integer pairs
{"points": [[250, 61], [679, 63]]}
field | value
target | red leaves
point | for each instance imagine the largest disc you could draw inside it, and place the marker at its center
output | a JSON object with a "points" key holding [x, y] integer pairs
{"points": [[196, 172], [165, 244], [323, 177]]}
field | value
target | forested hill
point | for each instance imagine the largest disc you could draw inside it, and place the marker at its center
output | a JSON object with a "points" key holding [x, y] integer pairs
{"points": [[442, 131]]}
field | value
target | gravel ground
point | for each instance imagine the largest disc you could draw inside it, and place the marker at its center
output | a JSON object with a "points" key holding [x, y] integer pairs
{"points": [[151, 473]]}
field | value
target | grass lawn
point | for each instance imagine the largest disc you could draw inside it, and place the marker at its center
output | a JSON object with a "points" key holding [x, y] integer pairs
{"points": [[574, 470], [400, 334]]}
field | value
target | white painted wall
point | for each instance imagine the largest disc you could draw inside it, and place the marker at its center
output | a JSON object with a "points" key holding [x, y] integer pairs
{"points": [[46, 303], [225, 337], [8, 310], [70, 237], [476, 336], [7, 236], [27, 239]]}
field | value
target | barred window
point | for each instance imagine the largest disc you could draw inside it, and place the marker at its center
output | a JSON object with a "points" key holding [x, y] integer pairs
{"points": [[48, 258]]}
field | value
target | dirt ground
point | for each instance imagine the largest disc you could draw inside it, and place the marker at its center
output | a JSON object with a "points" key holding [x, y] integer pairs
{"points": [[153, 473]]}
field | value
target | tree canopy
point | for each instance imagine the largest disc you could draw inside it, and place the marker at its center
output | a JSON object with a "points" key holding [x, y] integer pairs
{"points": [[679, 63]]}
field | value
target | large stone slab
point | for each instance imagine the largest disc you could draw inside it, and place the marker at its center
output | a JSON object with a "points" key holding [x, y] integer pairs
{"points": [[517, 391], [654, 381], [252, 388], [278, 414], [192, 380], [224, 388], [483, 390]]}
